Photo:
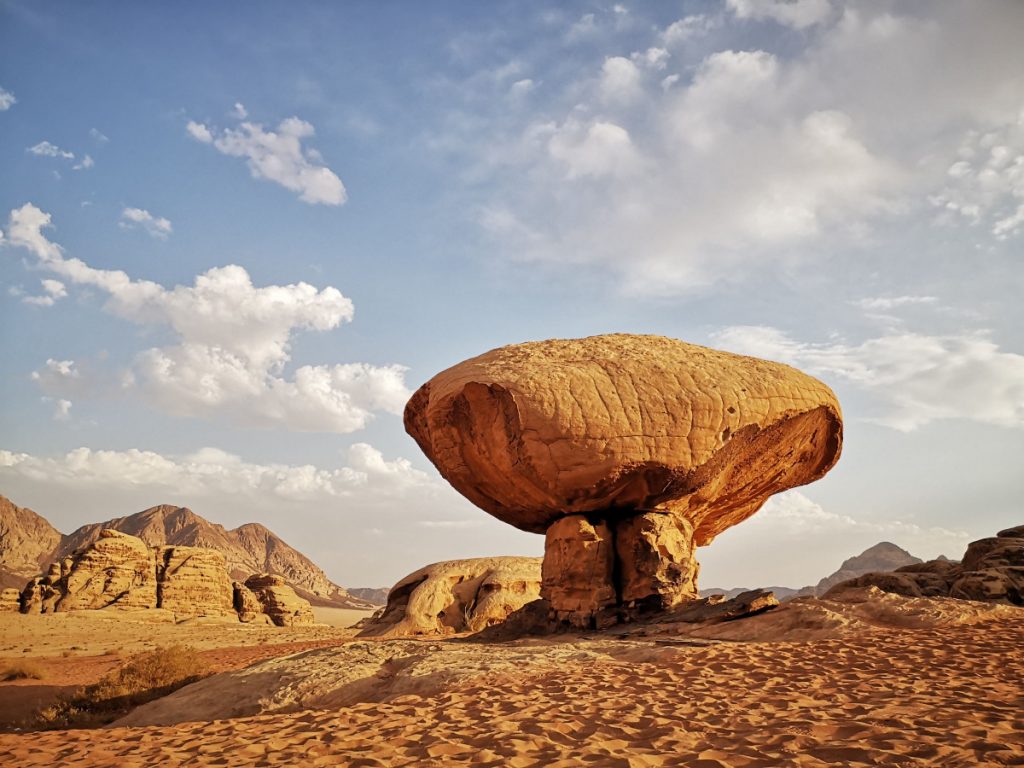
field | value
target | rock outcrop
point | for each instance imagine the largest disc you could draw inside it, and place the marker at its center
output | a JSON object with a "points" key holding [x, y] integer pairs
{"points": [[193, 580], [627, 452], [119, 572], [279, 601], [457, 596], [248, 549], [991, 570]]}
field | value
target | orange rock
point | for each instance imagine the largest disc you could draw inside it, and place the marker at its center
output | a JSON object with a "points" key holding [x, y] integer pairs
{"points": [[616, 426], [457, 596], [279, 601]]}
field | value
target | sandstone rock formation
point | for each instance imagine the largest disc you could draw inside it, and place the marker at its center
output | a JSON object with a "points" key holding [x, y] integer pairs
{"points": [[992, 569], [248, 549], [193, 580], [626, 451], [458, 596], [279, 601], [118, 571], [247, 605]]}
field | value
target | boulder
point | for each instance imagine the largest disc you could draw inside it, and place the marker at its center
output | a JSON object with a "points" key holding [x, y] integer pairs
{"points": [[193, 581], [279, 601], [246, 604], [587, 434], [457, 596]]}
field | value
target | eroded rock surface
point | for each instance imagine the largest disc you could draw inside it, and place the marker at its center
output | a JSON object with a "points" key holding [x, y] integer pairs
{"points": [[642, 446], [458, 596], [119, 571], [279, 601], [193, 581]]}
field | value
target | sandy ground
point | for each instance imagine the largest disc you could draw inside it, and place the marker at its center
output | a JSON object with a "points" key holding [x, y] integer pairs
{"points": [[339, 617], [914, 692], [74, 649]]}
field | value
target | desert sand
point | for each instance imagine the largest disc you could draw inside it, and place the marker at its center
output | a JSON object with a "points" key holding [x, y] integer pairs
{"points": [[873, 680]]}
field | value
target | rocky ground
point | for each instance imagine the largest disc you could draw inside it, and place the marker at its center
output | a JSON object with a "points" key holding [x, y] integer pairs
{"points": [[869, 679]]}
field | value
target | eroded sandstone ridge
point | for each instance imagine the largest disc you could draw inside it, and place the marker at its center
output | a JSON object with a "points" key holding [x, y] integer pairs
{"points": [[120, 572], [457, 596], [627, 452]]}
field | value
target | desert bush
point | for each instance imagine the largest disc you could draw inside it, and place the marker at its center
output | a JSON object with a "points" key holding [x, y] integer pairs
{"points": [[142, 678], [22, 670]]}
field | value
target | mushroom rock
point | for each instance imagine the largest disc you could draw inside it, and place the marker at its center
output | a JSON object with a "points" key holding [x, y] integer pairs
{"points": [[626, 451]]}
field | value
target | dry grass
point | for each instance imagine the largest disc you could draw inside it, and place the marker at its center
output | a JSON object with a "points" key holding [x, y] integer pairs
{"points": [[143, 677], [22, 670]]}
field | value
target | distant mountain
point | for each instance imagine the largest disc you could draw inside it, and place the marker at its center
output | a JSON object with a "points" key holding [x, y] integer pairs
{"points": [[884, 556], [26, 541], [249, 549], [375, 595]]}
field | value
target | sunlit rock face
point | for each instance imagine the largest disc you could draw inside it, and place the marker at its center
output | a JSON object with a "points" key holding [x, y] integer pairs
{"points": [[626, 451]]}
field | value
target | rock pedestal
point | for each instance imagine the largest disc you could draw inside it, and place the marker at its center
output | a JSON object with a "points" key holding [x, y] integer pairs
{"points": [[626, 452], [596, 572]]}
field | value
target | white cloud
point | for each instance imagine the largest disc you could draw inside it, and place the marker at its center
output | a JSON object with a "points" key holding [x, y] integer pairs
{"points": [[620, 80], [793, 514], [522, 87], [58, 377], [885, 303], [98, 136], [86, 163], [585, 27], [156, 226], [211, 471], [279, 157], [915, 378], [234, 342], [239, 111], [798, 14], [595, 150], [46, 149], [986, 183], [7, 100], [54, 290], [199, 132], [686, 29], [61, 410], [741, 160]]}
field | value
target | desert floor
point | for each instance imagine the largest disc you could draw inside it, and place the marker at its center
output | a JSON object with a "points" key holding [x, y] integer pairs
{"points": [[944, 694]]}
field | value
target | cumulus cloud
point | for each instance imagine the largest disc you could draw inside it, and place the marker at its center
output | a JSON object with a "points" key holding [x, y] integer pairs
{"points": [[46, 149], [98, 136], [155, 226], [798, 14], [277, 156], [211, 472], [986, 183], [915, 379], [7, 100], [234, 342], [85, 164], [740, 159]]}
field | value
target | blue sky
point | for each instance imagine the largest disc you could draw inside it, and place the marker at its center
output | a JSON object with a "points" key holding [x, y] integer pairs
{"points": [[235, 239]]}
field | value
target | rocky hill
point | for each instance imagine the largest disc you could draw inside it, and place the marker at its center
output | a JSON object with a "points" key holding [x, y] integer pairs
{"points": [[26, 542], [882, 557], [247, 549], [375, 595]]}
